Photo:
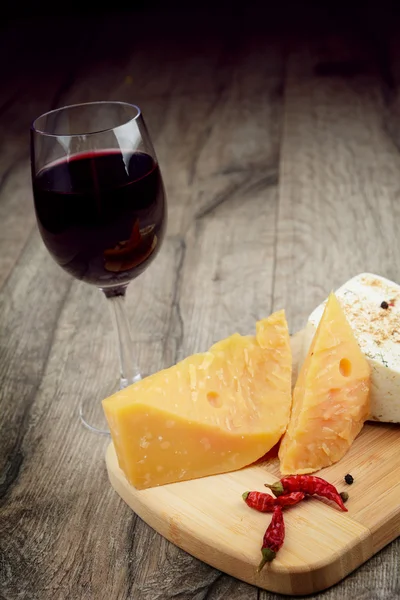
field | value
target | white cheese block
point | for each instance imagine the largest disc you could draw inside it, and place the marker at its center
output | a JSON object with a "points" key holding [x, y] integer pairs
{"points": [[377, 330]]}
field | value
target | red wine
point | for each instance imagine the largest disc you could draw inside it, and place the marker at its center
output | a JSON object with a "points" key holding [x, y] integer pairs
{"points": [[101, 214]]}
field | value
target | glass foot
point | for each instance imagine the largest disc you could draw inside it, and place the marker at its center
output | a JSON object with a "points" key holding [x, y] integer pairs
{"points": [[91, 412]]}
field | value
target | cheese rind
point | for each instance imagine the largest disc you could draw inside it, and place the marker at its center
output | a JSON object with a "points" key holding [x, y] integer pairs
{"points": [[211, 413], [377, 331], [330, 398]]}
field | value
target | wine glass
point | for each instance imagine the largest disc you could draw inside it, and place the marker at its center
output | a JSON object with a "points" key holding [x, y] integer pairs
{"points": [[100, 206]]}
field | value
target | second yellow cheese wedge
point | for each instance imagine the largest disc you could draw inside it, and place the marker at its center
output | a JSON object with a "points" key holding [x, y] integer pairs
{"points": [[330, 398], [211, 413]]}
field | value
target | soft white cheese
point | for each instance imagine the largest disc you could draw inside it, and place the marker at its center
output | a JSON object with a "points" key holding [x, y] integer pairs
{"points": [[377, 330]]}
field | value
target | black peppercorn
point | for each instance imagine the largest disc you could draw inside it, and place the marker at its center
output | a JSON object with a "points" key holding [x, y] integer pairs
{"points": [[349, 478], [384, 304]]}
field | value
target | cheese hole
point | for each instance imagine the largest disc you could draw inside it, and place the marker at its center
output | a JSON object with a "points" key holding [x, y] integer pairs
{"points": [[345, 367], [214, 399]]}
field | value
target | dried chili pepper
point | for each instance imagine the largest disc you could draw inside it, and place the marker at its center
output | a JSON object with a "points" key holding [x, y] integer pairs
{"points": [[273, 537], [266, 502], [290, 499], [309, 484], [259, 501]]}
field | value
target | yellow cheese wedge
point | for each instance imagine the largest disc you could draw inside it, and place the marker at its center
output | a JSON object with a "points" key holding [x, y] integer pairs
{"points": [[211, 413], [330, 398]]}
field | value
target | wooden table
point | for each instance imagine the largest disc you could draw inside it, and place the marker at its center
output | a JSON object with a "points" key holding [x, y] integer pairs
{"points": [[281, 162]]}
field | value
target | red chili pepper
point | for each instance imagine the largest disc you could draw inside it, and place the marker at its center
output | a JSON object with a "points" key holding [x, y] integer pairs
{"points": [[259, 501], [290, 499], [273, 537], [266, 502], [308, 484]]}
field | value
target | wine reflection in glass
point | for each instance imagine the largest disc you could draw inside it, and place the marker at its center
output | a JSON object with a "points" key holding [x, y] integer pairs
{"points": [[100, 206]]}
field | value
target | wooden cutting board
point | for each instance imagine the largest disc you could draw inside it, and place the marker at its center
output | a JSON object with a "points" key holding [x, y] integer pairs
{"points": [[208, 518]]}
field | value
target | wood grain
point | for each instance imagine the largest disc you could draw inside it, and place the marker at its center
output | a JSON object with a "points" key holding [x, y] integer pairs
{"points": [[338, 204], [281, 183], [208, 518]]}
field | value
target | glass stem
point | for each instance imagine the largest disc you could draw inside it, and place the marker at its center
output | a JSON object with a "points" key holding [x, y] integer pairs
{"points": [[128, 368]]}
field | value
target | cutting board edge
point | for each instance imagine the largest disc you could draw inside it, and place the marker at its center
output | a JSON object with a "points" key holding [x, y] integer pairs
{"points": [[299, 580]]}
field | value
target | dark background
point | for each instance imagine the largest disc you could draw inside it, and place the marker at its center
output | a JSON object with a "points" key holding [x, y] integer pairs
{"points": [[54, 35], [41, 23], [301, 15]]}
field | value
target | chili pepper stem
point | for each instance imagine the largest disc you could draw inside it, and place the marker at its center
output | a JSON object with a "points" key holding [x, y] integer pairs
{"points": [[276, 488], [245, 496], [267, 556]]}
